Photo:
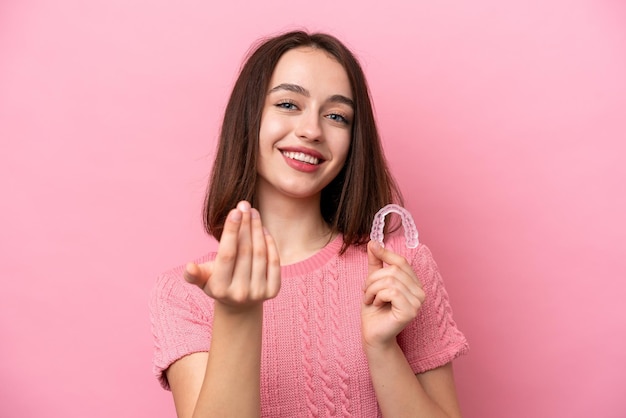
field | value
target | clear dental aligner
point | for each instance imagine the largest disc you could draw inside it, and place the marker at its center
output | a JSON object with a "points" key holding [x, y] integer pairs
{"points": [[378, 225]]}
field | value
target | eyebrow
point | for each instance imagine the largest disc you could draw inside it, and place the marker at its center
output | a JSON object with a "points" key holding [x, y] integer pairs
{"points": [[335, 98]]}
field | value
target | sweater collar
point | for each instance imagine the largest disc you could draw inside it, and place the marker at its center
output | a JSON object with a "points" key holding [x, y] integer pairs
{"points": [[316, 261]]}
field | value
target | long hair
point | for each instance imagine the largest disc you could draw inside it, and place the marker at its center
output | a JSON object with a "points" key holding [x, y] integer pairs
{"points": [[350, 201]]}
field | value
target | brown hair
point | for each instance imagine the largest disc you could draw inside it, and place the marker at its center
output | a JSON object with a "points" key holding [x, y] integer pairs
{"points": [[350, 201]]}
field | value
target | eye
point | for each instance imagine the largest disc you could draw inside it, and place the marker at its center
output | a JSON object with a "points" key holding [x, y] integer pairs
{"points": [[287, 105], [338, 118]]}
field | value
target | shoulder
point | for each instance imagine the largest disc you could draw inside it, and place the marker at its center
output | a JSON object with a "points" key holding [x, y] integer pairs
{"points": [[171, 290], [395, 242], [180, 316], [418, 256]]}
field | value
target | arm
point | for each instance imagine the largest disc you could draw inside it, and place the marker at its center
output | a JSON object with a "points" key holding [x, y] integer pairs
{"points": [[226, 381], [400, 394], [246, 271], [393, 297]]}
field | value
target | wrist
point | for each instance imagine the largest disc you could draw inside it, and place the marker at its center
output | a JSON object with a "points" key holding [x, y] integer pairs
{"points": [[238, 310], [382, 348]]}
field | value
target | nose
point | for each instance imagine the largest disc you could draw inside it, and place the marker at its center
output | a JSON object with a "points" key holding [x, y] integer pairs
{"points": [[309, 127]]}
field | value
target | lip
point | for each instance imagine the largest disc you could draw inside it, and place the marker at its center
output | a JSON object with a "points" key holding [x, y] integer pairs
{"points": [[306, 151], [299, 165]]}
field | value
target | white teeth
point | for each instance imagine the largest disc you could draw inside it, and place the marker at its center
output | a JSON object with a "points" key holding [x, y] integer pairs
{"points": [[300, 156]]}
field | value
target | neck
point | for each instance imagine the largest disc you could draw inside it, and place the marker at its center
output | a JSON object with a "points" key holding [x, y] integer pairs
{"points": [[296, 225]]}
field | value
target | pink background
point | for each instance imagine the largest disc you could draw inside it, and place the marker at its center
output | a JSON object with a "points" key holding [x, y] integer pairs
{"points": [[503, 121]]}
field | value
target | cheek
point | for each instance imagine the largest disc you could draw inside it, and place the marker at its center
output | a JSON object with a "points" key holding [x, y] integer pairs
{"points": [[344, 148], [272, 129]]}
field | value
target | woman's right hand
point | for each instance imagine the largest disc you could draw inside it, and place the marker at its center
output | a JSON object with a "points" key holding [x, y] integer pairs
{"points": [[246, 269]]}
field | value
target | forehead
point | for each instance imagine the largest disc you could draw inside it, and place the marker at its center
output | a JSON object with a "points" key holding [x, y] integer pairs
{"points": [[313, 69]]}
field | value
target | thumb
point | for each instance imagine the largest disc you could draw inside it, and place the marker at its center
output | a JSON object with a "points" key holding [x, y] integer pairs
{"points": [[198, 274], [374, 252]]}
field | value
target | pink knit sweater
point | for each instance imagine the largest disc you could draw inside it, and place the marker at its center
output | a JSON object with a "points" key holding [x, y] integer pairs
{"points": [[312, 361]]}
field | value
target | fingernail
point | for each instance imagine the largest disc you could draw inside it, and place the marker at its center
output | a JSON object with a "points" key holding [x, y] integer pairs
{"points": [[235, 215], [375, 245], [243, 206], [254, 214]]}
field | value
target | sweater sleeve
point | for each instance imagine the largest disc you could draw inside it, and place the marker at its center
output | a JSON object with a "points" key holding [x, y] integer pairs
{"points": [[432, 339], [181, 323]]}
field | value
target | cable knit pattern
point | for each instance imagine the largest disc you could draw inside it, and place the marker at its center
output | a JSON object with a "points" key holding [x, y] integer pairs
{"points": [[344, 377], [306, 349], [312, 362], [322, 342]]}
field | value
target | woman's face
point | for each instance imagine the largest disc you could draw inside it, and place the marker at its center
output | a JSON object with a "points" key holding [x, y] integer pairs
{"points": [[306, 124]]}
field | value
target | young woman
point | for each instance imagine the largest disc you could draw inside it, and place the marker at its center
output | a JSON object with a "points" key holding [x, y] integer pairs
{"points": [[296, 314]]}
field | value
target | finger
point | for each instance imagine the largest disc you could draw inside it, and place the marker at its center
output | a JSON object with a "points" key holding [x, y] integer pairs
{"points": [[374, 262], [403, 309], [227, 249], [389, 257], [258, 278], [404, 305], [243, 265], [390, 295], [392, 272], [370, 292], [273, 265], [397, 296], [197, 274]]}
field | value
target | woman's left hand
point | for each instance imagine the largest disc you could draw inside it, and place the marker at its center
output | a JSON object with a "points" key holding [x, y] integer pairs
{"points": [[393, 296]]}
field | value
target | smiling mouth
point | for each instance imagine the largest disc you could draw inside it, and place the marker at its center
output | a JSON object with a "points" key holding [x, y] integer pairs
{"points": [[302, 157]]}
